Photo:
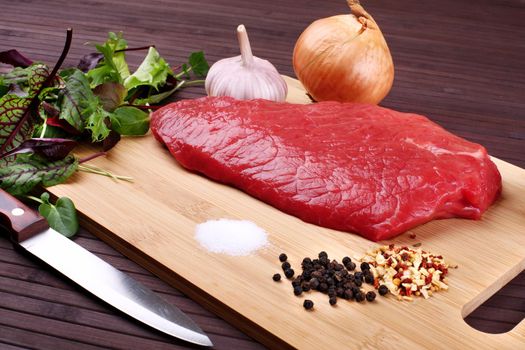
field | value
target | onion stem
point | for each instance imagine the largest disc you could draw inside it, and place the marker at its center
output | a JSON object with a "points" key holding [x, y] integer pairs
{"points": [[244, 45], [358, 10]]}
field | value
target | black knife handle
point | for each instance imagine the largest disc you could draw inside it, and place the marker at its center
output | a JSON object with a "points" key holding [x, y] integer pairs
{"points": [[22, 221]]}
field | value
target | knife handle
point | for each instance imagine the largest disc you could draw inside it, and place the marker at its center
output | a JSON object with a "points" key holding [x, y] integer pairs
{"points": [[22, 221]]}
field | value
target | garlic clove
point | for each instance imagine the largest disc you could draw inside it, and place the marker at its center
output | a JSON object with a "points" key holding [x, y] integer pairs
{"points": [[246, 76]]}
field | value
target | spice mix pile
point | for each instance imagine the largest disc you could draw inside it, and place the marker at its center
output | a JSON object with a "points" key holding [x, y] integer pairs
{"points": [[407, 272]]}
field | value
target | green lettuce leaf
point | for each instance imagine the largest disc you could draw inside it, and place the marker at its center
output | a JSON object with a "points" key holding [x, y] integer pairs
{"points": [[130, 121], [152, 71], [114, 66]]}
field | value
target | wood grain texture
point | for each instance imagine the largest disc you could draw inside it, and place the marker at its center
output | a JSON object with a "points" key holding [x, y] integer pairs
{"points": [[456, 61]]}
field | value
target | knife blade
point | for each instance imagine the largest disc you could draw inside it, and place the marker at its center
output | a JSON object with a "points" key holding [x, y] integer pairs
{"points": [[31, 231]]}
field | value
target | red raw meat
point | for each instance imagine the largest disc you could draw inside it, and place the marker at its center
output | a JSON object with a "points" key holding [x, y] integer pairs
{"points": [[351, 167]]}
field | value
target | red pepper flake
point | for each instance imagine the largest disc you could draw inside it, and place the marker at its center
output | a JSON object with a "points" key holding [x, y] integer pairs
{"points": [[412, 235], [428, 279]]}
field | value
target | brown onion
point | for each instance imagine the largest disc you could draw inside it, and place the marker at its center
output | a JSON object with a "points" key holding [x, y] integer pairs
{"points": [[344, 58]]}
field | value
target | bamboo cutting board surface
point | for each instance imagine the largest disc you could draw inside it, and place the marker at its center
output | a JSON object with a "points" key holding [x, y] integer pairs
{"points": [[153, 220]]}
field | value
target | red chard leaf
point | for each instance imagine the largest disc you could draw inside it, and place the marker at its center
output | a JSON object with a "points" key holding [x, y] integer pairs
{"points": [[111, 95], [62, 124], [110, 141], [15, 59], [15, 124], [51, 149], [89, 61]]}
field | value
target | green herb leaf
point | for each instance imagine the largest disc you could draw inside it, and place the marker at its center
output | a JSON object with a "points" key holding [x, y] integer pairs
{"points": [[97, 123], [130, 121], [77, 100], [15, 124], [198, 63], [30, 171], [62, 216], [152, 71]]}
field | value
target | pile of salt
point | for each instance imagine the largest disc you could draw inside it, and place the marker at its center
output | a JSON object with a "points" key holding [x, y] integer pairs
{"points": [[232, 237]]}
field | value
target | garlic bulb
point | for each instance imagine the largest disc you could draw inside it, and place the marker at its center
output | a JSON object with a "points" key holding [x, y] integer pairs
{"points": [[245, 77]]}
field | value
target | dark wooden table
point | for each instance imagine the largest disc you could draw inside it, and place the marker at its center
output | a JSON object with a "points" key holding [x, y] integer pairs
{"points": [[460, 62]]}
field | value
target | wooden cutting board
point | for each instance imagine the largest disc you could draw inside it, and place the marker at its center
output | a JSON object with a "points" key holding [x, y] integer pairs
{"points": [[153, 220]]}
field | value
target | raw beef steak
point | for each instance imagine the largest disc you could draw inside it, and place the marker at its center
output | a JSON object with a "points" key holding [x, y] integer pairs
{"points": [[350, 167]]}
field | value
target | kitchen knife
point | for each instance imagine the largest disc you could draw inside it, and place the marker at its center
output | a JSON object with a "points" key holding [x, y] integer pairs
{"points": [[31, 232]]}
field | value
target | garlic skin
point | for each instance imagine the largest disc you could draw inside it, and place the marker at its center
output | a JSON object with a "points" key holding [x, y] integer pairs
{"points": [[245, 77]]}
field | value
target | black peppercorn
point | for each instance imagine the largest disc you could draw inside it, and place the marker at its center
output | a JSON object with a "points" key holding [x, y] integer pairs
{"points": [[358, 276], [332, 300], [346, 260], [297, 290], [277, 277], [289, 273], [383, 290], [308, 304], [323, 254], [370, 296], [369, 278], [285, 265], [359, 297], [350, 266], [306, 286], [323, 287], [282, 257], [314, 283], [365, 266], [358, 282], [348, 294]]}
